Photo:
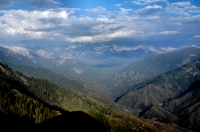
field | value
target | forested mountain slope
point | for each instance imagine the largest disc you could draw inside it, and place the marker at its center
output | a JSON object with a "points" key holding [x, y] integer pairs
{"points": [[183, 109], [58, 68], [43, 73], [33, 100], [162, 87], [147, 69], [20, 110], [171, 97]]}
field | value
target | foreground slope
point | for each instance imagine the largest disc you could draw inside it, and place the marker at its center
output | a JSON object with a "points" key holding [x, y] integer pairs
{"points": [[21, 110], [50, 94]]}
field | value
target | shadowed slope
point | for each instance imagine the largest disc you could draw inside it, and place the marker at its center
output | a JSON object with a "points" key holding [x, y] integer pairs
{"points": [[72, 122]]}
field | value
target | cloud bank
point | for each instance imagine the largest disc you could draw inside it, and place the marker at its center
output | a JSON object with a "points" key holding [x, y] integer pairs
{"points": [[156, 22]]}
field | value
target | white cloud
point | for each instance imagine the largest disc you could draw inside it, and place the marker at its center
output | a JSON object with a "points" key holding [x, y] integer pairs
{"points": [[31, 24], [125, 11], [197, 36], [59, 24], [121, 48], [71, 47], [34, 3], [187, 46], [63, 25], [184, 8], [83, 53], [103, 37], [57, 49], [196, 46], [145, 2], [144, 47], [83, 39], [139, 47], [182, 4], [43, 3], [101, 48], [97, 10], [118, 5], [169, 49], [151, 48], [102, 19], [169, 32], [192, 55], [149, 10], [4, 3], [121, 34], [147, 47]]}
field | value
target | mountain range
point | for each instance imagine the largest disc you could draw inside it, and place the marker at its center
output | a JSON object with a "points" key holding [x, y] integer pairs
{"points": [[141, 81], [69, 68], [170, 97], [100, 56], [146, 69], [41, 105]]}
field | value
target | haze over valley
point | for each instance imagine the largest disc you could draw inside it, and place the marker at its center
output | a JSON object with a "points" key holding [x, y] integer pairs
{"points": [[115, 65]]}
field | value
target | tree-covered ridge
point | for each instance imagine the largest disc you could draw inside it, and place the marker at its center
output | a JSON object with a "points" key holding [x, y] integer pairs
{"points": [[17, 100], [149, 68], [162, 88], [186, 106], [171, 97], [43, 73], [49, 92], [20, 110], [183, 109], [115, 120]]}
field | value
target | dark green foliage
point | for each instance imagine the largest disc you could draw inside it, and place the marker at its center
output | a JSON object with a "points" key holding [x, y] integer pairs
{"points": [[51, 76], [17, 100], [21, 110]]}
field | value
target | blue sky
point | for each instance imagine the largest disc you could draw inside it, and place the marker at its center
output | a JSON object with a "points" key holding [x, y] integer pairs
{"points": [[160, 23]]}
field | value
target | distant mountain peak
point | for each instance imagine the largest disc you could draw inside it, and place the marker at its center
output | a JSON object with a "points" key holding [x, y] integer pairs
{"points": [[20, 50], [44, 54], [77, 70], [63, 59], [139, 47]]}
